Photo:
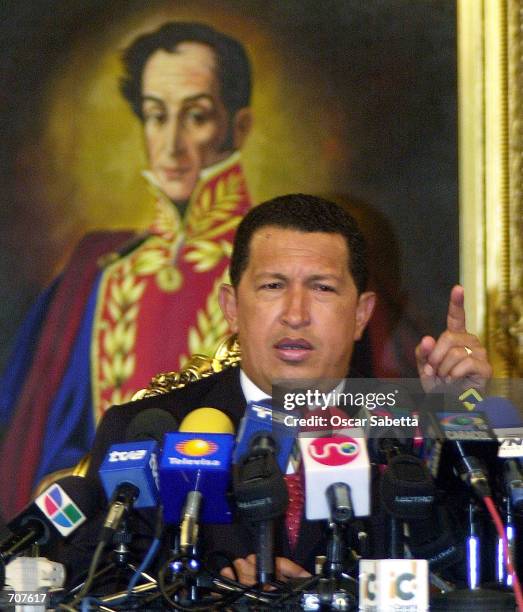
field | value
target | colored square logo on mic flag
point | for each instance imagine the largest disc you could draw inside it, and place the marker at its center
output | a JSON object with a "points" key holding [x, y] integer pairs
{"points": [[60, 509]]}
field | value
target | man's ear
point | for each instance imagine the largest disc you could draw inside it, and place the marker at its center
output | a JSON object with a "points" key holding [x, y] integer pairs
{"points": [[364, 310], [241, 126], [228, 304]]}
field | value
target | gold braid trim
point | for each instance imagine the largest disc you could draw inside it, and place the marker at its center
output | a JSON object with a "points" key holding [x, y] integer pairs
{"points": [[199, 366], [210, 327]]}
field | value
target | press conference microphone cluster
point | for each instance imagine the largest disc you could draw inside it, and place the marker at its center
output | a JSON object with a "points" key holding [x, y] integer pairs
{"points": [[461, 443], [185, 471]]}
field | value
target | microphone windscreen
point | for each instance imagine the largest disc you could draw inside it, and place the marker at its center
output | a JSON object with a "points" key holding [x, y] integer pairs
{"points": [[407, 489], [207, 420], [151, 424], [436, 539]]}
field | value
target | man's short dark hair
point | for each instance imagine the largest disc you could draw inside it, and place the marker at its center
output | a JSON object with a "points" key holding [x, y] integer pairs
{"points": [[234, 72], [304, 213]]}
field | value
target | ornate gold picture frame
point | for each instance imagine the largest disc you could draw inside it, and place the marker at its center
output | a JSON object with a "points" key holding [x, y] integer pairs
{"points": [[490, 68]]}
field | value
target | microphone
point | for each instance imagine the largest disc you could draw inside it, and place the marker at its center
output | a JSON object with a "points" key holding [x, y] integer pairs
{"points": [[261, 496], [264, 448], [337, 475], [205, 420], [434, 538], [55, 513], [407, 489], [340, 458], [459, 443], [262, 418], [468, 447], [129, 472], [151, 424], [501, 413], [195, 472], [408, 494], [339, 500], [507, 423]]}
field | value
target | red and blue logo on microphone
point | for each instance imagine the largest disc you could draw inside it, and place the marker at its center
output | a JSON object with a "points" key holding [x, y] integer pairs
{"points": [[337, 450], [339, 458], [60, 509]]}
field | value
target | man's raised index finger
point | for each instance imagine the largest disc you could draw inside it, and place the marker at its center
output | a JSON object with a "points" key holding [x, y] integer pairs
{"points": [[456, 312]]}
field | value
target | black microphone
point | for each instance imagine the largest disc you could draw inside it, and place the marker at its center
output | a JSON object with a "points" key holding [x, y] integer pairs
{"points": [[407, 490], [151, 424], [506, 421], [459, 443], [408, 494], [261, 496], [55, 513], [434, 538], [129, 475], [339, 500]]}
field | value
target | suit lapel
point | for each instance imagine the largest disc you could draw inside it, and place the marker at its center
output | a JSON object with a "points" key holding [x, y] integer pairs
{"points": [[227, 395]]}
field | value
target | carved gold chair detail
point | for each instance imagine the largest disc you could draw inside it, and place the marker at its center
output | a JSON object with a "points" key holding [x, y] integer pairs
{"points": [[199, 366]]}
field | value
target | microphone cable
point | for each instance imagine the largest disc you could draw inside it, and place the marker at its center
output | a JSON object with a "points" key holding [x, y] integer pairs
{"points": [[494, 514], [95, 561], [151, 553]]}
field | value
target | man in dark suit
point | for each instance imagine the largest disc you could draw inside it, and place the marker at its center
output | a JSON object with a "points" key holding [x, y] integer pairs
{"points": [[298, 302]]}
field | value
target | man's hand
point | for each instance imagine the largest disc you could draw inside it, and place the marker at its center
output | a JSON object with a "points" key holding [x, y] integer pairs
{"points": [[246, 570], [456, 355]]}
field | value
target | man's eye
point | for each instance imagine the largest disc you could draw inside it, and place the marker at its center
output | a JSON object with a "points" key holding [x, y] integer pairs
{"points": [[154, 117], [324, 288], [197, 116], [273, 285]]}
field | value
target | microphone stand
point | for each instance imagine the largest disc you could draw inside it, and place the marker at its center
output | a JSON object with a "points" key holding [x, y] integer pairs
{"points": [[503, 578], [473, 547], [185, 567], [475, 595], [335, 588]]}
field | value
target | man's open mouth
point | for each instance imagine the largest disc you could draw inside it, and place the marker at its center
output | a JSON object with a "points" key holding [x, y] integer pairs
{"points": [[293, 349]]}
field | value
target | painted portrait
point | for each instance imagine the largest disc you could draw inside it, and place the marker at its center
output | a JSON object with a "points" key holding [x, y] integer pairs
{"points": [[131, 128]]}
